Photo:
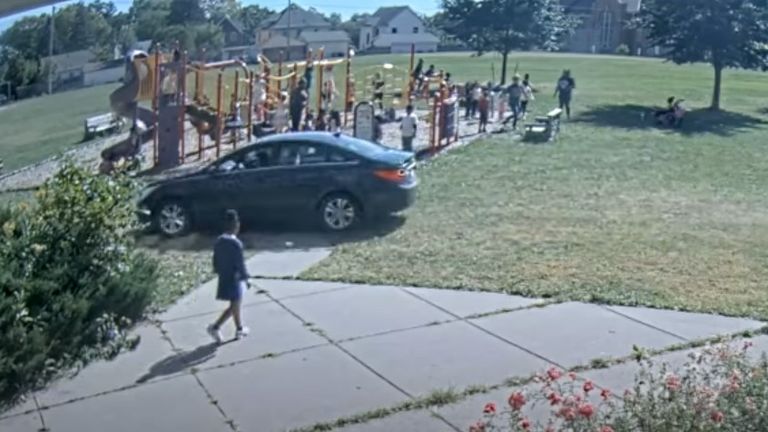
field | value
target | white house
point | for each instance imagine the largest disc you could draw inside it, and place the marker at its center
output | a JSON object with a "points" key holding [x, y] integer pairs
{"points": [[335, 43], [396, 29]]}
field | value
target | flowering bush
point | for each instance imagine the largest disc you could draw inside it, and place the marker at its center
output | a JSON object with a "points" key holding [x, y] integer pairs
{"points": [[718, 389]]}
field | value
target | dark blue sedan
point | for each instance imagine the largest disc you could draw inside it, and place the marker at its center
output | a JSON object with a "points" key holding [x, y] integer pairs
{"points": [[333, 179]]}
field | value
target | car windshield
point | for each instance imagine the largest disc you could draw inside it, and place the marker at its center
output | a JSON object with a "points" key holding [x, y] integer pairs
{"points": [[362, 147]]}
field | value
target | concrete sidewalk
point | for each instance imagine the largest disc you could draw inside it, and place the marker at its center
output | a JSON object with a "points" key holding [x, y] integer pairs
{"points": [[321, 351]]}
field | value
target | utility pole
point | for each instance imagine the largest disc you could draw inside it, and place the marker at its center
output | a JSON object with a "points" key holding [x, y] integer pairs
{"points": [[50, 50]]}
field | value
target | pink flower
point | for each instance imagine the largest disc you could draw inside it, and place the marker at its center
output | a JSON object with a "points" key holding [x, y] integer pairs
{"points": [[586, 410], [525, 424], [490, 408], [554, 374], [606, 429], [673, 383], [554, 398], [566, 413], [717, 416], [588, 386], [516, 401], [477, 427], [605, 394]]}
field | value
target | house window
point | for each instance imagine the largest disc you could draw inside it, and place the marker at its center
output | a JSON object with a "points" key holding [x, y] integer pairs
{"points": [[415, 30], [394, 30], [606, 28], [376, 31], [367, 38]]}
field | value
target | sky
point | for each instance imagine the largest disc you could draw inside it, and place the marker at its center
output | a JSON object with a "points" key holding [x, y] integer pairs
{"points": [[344, 7]]}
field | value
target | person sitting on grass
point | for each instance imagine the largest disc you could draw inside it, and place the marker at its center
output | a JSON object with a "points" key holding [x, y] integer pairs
{"points": [[229, 266], [659, 114]]}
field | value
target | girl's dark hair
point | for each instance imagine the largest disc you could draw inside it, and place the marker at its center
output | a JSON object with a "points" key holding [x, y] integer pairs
{"points": [[231, 219]]}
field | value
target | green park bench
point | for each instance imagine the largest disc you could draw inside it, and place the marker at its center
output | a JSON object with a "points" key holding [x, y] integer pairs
{"points": [[103, 124], [545, 128]]}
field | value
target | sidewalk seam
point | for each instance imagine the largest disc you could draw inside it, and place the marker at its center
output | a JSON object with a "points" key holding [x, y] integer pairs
{"points": [[608, 308]]}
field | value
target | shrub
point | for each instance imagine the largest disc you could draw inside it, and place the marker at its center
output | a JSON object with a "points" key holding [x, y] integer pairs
{"points": [[622, 49], [719, 389], [71, 282]]}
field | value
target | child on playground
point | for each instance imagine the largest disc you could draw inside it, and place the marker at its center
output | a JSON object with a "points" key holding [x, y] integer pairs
{"points": [[483, 106], [527, 95], [321, 122], [408, 127], [280, 116], [229, 265], [378, 90], [334, 122]]}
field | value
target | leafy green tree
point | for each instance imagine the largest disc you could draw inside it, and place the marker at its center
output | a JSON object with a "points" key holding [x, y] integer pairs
{"points": [[216, 10], [186, 12], [353, 26], [506, 25], [335, 20], [28, 35], [252, 15], [723, 33], [150, 17]]}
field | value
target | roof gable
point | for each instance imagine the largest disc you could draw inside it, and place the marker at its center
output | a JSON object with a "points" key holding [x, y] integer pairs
{"points": [[295, 16], [385, 15]]}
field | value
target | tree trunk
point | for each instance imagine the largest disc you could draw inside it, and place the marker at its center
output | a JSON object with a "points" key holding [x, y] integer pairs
{"points": [[716, 92], [504, 57]]}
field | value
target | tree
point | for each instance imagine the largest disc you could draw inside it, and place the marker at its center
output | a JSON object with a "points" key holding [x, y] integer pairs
{"points": [[28, 35], [252, 15], [505, 25], [353, 26], [186, 12], [216, 10], [335, 20], [723, 33]]}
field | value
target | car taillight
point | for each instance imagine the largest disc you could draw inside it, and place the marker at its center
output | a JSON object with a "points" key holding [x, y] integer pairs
{"points": [[393, 175]]}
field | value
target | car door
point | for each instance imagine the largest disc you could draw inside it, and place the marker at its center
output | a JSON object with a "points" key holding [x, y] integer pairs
{"points": [[297, 179]]}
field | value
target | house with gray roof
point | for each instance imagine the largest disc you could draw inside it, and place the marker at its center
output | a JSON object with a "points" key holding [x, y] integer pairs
{"points": [[291, 33], [396, 29], [604, 27]]}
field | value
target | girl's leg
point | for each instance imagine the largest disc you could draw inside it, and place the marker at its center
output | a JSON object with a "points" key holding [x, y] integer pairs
{"points": [[236, 316], [223, 317]]}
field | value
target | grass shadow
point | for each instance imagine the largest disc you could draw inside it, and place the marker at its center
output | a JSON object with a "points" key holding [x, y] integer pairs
{"points": [[275, 237], [696, 122]]}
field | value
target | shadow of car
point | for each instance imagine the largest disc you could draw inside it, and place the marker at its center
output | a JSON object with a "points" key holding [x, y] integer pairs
{"points": [[332, 179]]}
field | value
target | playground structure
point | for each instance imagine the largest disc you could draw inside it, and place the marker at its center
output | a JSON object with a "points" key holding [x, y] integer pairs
{"points": [[160, 80], [154, 97]]}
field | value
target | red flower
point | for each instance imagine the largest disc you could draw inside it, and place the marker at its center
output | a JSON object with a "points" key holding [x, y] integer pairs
{"points": [[673, 383], [525, 424], [516, 401], [490, 408], [606, 429], [554, 374], [717, 416], [605, 394], [586, 410], [588, 386], [554, 398]]}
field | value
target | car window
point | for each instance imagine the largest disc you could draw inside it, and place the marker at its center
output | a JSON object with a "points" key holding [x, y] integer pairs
{"points": [[340, 156], [292, 154], [260, 157]]}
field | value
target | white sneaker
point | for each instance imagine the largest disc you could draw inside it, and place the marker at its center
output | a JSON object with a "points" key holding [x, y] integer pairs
{"points": [[215, 333], [243, 332]]}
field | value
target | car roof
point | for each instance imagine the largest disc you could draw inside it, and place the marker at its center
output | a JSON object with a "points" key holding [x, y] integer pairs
{"points": [[314, 137]]}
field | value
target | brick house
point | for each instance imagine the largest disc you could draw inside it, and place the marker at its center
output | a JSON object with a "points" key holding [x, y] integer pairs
{"points": [[605, 27]]}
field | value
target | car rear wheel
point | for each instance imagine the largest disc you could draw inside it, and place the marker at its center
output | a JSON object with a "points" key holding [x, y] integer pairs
{"points": [[173, 219], [339, 212]]}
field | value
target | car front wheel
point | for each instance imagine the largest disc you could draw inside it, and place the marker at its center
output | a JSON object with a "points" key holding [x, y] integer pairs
{"points": [[173, 219], [339, 212]]}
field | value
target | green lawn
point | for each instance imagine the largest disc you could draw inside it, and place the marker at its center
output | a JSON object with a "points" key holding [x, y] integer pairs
{"points": [[616, 211]]}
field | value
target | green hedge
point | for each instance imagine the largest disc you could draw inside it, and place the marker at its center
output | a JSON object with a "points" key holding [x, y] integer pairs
{"points": [[71, 282]]}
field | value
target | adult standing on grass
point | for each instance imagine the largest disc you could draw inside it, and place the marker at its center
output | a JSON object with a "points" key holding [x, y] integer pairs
{"points": [[408, 127], [298, 104], [229, 265], [527, 95], [515, 96], [565, 86]]}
